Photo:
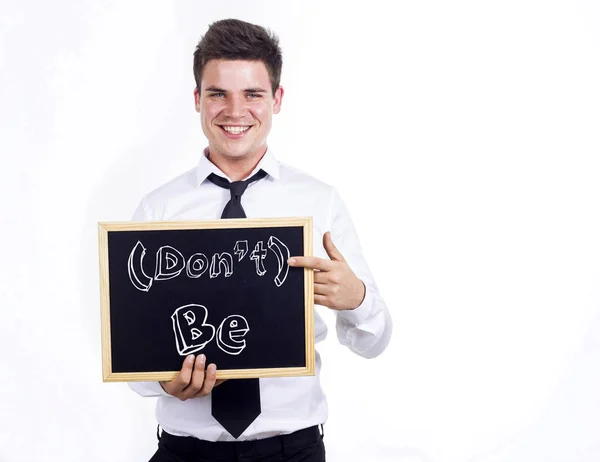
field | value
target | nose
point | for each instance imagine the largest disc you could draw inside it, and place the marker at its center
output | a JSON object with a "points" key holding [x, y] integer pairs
{"points": [[236, 107]]}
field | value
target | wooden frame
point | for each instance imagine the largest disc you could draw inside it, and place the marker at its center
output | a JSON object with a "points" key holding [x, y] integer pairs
{"points": [[105, 227]]}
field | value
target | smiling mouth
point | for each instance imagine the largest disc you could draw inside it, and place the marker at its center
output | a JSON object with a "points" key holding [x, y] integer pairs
{"points": [[235, 129]]}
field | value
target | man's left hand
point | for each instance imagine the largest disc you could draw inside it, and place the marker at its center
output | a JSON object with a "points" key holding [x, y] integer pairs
{"points": [[336, 285]]}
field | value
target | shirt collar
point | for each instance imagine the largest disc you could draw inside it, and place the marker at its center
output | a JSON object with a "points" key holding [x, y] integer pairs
{"points": [[268, 163]]}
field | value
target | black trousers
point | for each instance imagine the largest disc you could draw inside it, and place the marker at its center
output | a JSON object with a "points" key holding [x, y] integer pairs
{"points": [[302, 446]]}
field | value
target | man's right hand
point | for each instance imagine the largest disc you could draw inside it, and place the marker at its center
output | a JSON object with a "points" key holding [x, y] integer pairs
{"points": [[193, 381]]}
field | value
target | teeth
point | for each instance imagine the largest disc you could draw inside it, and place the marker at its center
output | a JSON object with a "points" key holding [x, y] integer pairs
{"points": [[235, 130]]}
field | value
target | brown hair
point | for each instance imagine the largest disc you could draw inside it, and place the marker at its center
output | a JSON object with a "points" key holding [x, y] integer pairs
{"points": [[239, 40]]}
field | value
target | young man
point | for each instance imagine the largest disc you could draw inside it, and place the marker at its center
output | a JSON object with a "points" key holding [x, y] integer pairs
{"points": [[237, 67]]}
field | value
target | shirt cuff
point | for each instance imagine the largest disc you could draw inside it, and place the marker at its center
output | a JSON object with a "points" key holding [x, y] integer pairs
{"points": [[360, 313]]}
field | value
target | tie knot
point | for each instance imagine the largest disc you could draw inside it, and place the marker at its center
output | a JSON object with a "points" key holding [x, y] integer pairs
{"points": [[237, 188], [233, 208]]}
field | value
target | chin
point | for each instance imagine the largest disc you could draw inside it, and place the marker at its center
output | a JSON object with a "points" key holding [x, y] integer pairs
{"points": [[235, 153]]}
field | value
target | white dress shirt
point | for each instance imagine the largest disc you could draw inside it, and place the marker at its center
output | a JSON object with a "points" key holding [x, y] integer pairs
{"points": [[288, 403]]}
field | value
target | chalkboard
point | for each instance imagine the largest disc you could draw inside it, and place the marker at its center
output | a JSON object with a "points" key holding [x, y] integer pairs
{"points": [[223, 288]]}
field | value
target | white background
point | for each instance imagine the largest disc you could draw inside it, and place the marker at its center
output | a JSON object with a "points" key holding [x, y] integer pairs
{"points": [[464, 138]]}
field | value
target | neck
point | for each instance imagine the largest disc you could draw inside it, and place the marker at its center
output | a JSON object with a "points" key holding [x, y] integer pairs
{"points": [[236, 168]]}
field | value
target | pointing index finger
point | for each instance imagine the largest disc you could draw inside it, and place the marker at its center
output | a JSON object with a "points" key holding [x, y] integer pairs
{"points": [[311, 262]]}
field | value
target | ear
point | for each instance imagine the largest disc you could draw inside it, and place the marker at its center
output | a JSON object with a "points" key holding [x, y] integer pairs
{"points": [[277, 98], [197, 99]]}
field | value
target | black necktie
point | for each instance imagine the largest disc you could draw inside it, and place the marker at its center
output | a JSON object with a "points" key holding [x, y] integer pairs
{"points": [[236, 402], [233, 208]]}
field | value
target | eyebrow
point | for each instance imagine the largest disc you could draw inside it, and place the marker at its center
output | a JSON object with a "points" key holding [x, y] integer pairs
{"points": [[247, 90]]}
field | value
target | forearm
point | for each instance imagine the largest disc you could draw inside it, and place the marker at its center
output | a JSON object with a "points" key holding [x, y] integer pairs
{"points": [[367, 329]]}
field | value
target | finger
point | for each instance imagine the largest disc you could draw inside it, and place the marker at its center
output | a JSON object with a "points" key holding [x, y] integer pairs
{"points": [[209, 380], [331, 249], [321, 289], [202, 392], [311, 262], [183, 379], [321, 277], [197, 378], [321, 300]]}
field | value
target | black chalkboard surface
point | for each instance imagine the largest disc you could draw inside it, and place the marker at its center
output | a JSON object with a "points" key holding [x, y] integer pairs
{"points": [[222, 288]]}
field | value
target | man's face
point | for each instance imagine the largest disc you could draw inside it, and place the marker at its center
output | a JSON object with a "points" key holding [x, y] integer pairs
{"points": [[236, 106]]}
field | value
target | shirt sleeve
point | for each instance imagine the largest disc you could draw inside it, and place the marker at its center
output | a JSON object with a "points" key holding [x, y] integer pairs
{"points": [[149, 389], [367, 329], [142, 211]]}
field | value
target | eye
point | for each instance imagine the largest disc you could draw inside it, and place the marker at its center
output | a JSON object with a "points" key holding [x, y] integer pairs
{"points": [[217, 94], [254, 95], [234, 323]]}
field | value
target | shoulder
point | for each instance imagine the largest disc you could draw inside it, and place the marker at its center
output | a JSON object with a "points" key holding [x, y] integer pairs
{"points": [[181, 184], [153, 205]]}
